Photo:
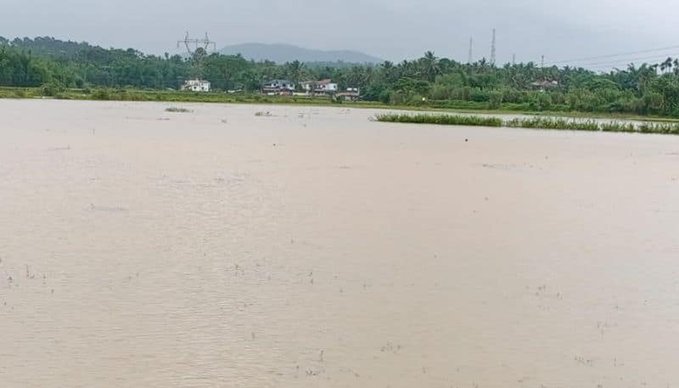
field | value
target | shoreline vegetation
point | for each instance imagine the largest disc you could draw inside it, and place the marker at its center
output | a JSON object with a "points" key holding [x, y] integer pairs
{"points": [[173, 96], [556, 123], [45, 67]]}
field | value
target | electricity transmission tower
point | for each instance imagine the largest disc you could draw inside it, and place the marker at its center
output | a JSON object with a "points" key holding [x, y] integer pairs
{"points": [[194, 46], [197, 49], [492, 50]]}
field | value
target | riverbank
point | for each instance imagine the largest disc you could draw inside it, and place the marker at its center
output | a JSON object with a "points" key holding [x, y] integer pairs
{"points": [[248, 98]]}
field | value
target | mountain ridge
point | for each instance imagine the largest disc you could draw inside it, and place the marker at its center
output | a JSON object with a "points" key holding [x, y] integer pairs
{"points": [[281, 53]]}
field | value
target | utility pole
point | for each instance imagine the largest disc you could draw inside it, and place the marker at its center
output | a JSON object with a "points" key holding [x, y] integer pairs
{"points": [[471, 51], [492, 50]]}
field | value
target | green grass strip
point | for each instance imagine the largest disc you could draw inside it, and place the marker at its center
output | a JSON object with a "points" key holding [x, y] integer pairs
{"points": [[531, 122]]}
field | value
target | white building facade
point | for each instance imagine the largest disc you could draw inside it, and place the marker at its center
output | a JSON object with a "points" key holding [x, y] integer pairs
{"points": [[196, 85], [321, 87]]}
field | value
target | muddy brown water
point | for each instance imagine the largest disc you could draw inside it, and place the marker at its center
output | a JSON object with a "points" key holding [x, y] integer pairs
{"points": [[311, 247]]}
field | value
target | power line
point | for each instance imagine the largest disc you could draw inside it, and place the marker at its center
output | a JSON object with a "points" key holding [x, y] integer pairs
{"points": [[615, 55], [631, 60]]}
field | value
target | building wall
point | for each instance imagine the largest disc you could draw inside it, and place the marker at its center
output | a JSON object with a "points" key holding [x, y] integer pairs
{"points": [[196, 85]]}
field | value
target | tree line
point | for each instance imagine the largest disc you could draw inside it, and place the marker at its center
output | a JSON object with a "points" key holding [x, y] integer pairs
{"points": [[431, 81]]}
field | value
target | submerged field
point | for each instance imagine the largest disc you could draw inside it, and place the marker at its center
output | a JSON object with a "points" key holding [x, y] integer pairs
{"points": [[173, 244], [666, 128]]}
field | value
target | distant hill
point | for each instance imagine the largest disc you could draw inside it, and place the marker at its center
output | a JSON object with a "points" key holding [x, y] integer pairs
{"points": [[45, 46], [281, 53]]}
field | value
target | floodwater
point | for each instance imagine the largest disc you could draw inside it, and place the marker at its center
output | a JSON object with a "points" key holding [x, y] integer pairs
{"points": [[312, 247]]}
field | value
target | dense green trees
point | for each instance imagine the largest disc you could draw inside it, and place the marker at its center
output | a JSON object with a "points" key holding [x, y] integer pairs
{"points": [[431, 81], [20, 69]]}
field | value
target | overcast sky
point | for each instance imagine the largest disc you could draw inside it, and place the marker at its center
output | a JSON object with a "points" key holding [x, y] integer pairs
{"points": [[389, 29]]}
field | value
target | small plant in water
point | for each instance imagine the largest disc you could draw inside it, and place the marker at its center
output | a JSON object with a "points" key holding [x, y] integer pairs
{"points": [[175, 109]]}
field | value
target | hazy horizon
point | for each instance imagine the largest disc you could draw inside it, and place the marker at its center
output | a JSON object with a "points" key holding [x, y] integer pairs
{"points": [[392, 30]]}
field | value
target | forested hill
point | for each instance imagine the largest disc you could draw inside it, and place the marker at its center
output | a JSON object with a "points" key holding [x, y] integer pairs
{"points": [[430, 81], [79, 52], [48, 46], [282, 53]]}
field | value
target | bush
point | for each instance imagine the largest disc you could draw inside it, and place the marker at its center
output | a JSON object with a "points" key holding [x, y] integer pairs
{"points": [[479, 95], [51, 89], [495, 100], [101, 94], [541, 101]]}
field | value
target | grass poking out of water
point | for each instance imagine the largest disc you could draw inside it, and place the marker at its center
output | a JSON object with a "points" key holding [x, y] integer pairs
{"points": [[531, 122], [441, 119], [175, 109], [553, 123]]}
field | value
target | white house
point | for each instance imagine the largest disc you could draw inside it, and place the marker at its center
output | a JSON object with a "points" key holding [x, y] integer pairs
{"points": [[196, 85], [278, 87], [351, 94], [321, 87], [545, 84]]}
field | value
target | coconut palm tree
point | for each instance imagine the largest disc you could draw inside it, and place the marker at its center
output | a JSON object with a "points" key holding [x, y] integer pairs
{"points": [[295, 71], [666, 65], [430, 66]]}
